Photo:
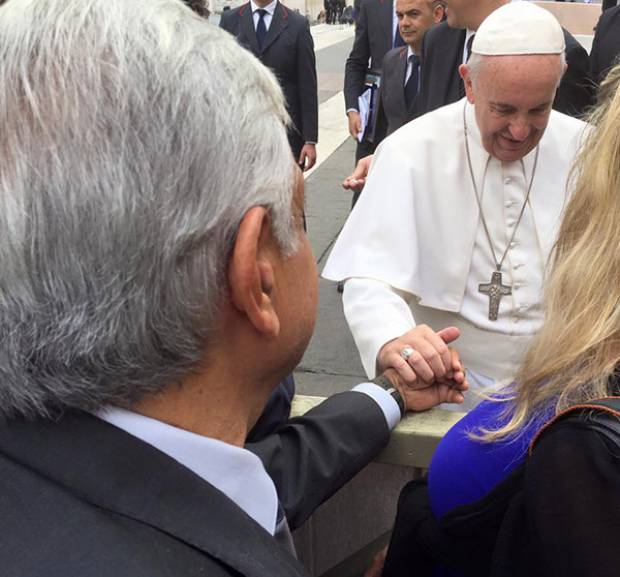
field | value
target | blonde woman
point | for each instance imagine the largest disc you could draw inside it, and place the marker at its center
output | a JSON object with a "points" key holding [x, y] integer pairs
{"points": [[509, 492]]}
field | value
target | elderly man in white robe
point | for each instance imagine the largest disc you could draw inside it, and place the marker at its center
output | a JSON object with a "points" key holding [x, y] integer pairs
{"points": [[459, 214]]}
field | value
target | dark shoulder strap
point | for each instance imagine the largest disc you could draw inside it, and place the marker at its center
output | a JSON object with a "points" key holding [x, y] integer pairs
{"points": [[603, 415]]}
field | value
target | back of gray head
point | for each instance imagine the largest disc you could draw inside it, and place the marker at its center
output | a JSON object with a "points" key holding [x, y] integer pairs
{"points": [[134, 137]]}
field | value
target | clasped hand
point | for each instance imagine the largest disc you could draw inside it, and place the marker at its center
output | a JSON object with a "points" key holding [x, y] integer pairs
{"points": [[433, 366]]}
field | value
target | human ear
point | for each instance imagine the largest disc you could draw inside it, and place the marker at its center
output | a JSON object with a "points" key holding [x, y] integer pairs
{"points": [[438, 13], [467, 82], [251, 275]]}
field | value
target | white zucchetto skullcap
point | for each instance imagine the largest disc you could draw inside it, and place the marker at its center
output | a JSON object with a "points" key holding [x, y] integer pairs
{"points": [[519, 28]]}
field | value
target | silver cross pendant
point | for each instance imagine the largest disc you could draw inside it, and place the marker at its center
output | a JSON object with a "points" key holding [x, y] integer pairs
{"points": [[495, 290]]}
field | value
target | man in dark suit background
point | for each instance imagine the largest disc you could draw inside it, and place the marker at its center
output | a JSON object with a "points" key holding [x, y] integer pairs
{"points": [[281, 40], [401, 66], [155, 296], [444, 49], [606, 44], [376, 32]]}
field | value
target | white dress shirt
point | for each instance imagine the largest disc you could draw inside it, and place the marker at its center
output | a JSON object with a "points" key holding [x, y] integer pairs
{"points": [[410, 53], [394, 23], [236, 472], [267, 18]]}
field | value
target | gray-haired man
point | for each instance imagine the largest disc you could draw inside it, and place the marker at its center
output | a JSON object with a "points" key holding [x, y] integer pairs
{"points": [[151, 298]]}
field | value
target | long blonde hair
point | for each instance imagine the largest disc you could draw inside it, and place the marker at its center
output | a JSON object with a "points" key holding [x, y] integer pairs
{"points": [[577, 350]]}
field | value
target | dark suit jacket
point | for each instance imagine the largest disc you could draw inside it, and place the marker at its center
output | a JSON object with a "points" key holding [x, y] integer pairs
{"points": [[392, 110], [606, 44], [373, 38], [442, 54], [276, 411], [289, 52], [82, 498]]}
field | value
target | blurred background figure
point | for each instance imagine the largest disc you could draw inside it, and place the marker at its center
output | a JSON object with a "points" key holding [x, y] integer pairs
{"points": [[606, 44], [376, 32], [328, 6], [400, 80], [281, 40]]}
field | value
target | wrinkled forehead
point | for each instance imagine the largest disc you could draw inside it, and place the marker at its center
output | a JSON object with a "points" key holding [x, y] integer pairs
{"points": [[532, 61], [520, 73]]}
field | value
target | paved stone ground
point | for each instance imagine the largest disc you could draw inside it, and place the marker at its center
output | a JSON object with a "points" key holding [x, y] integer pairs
{"points": [[331, 363]]}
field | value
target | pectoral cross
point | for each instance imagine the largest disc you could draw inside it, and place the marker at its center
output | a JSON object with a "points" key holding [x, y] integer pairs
{"points": [[495, 290]]}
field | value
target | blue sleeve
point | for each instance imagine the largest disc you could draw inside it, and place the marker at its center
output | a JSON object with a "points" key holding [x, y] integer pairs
{"points": [[464, 470]]}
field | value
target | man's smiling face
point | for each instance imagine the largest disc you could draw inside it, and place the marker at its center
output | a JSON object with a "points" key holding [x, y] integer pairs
{"points": [[512, 96]]}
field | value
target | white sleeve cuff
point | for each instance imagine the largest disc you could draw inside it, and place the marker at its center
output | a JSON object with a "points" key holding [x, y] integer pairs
{"points": [[376, 313], [385, 401]]}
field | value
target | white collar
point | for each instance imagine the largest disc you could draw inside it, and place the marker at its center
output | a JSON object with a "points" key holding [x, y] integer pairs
{"points": [[236, 472], [410, 52], [270, 8], [468, 34]]}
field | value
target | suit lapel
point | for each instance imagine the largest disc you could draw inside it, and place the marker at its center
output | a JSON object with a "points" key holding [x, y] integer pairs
{"points": [[443, 80], [457, 59], [247, 32], [400, 70], [279, 22], [121, 474]]}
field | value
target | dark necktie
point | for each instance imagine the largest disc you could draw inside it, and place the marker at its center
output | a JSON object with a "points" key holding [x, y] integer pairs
{"points": [[411, 86], [468, 46], [261, 28], [398, 39], [470, 41], [283, 532]]}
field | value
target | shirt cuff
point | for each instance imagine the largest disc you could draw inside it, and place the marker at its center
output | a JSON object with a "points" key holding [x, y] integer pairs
{"points": [[385, 401], [352, 110], [308, 142]]}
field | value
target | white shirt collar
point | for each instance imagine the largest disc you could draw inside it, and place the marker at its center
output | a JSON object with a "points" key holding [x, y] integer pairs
{"points": [[468, 34], [270, 8], [236, 472]]}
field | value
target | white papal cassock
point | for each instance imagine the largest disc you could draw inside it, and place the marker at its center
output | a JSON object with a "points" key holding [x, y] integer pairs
{"points": [[415, 250]]}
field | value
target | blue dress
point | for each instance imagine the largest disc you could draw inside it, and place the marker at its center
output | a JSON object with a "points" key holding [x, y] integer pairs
{"points": [[464, 470]]}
